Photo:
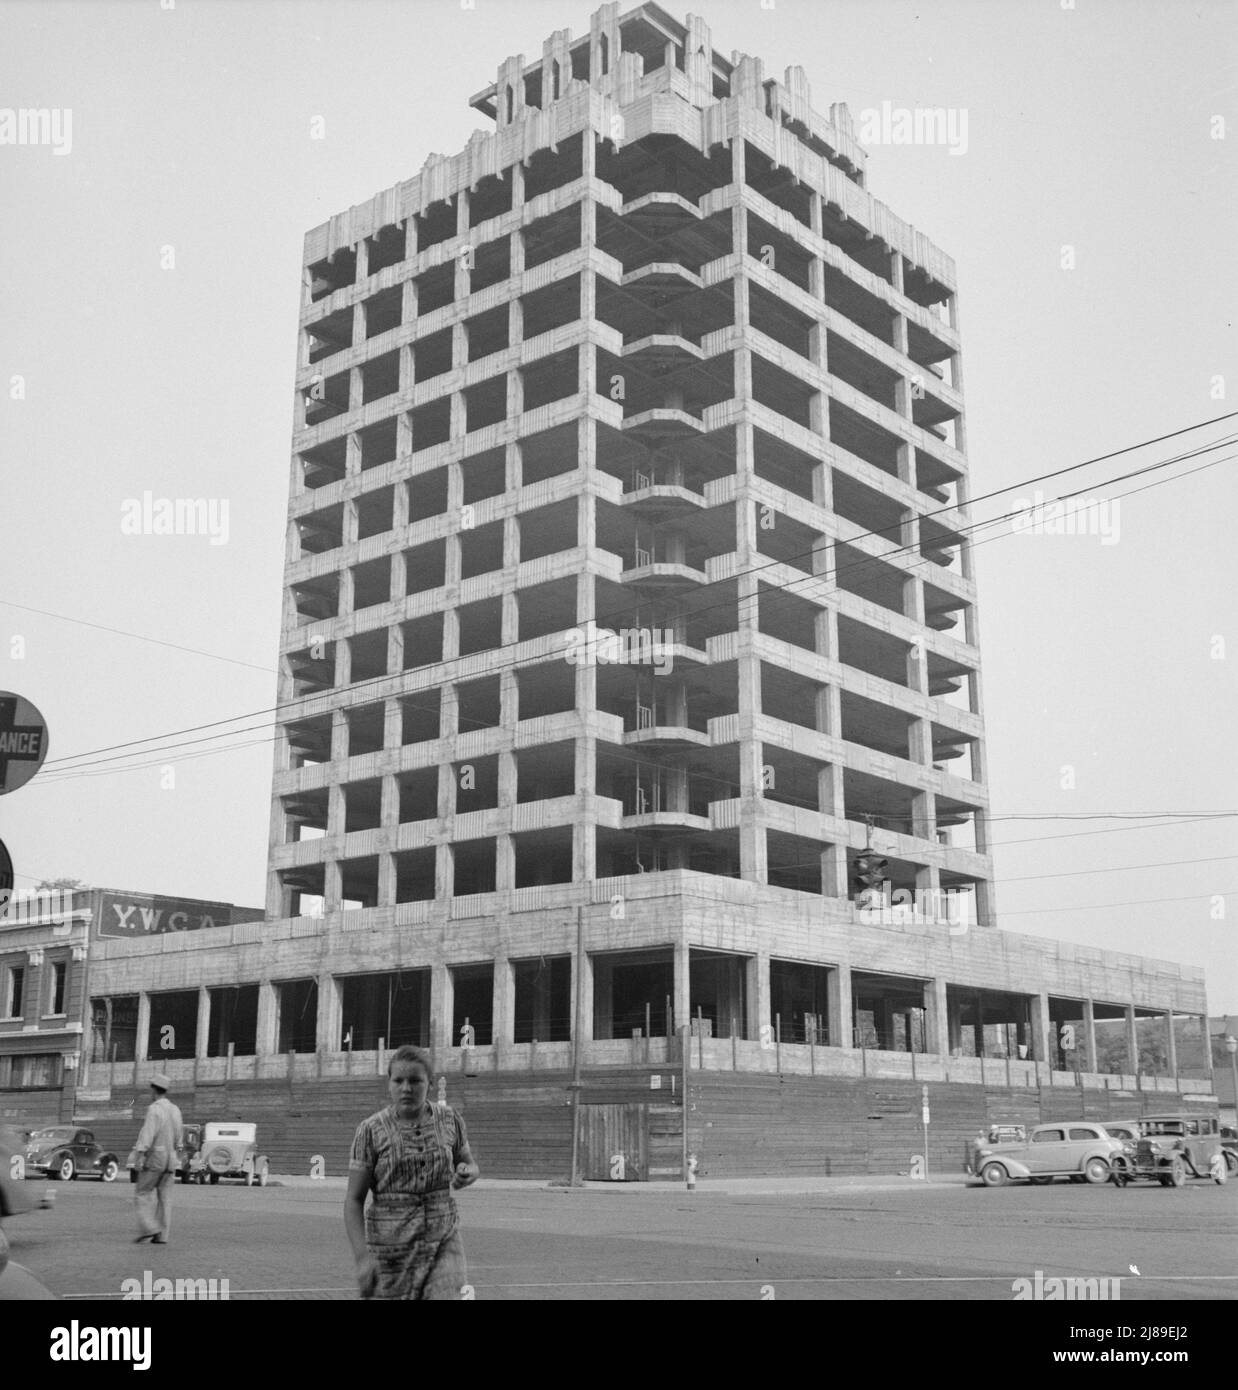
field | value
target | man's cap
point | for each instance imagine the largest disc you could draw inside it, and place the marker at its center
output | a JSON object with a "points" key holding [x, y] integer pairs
{"points": [[160, 1080]]}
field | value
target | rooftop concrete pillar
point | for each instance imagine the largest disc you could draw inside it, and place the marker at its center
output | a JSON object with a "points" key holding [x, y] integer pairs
{"points": [[841, 1006], [1089, 1035], [936, 1028], [202, 1033]]}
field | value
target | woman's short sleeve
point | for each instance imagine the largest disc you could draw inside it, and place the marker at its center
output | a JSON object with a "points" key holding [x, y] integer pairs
{"points": [[364, 1152]]}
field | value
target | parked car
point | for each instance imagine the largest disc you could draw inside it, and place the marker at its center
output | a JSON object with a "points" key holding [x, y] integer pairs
{"points": [[230, 1150], [17, 1284], [1171, 1148], [66, 1152], [1126, 1130], [191, 1144], [1075, 1149]]}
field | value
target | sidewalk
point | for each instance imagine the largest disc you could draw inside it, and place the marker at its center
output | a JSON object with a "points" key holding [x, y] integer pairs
{"points": [[727, 1187]]}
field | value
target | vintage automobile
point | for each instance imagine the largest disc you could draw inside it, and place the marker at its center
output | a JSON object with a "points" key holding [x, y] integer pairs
{"points": [[230, 1150], [1126, 1130], [191, 1144], [1077, 1149], [66, 1152], [1171, 1148]]}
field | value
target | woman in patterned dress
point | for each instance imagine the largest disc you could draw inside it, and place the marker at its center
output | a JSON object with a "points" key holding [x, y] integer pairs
{"points": [[409, 1157]]}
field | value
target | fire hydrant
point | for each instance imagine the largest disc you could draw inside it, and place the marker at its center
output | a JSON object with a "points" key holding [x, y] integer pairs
{"points": [[691, 1172]]}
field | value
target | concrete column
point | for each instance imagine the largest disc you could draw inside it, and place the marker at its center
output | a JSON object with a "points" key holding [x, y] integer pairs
{"points": [[1038, 1010], [683, 983], [1206, 1038], [143, 1028], [386, 879], [1171, 1044], [267, 1039], [936, 1029], [504, 1002], [330, 1014], [582, 980], [1089, 1035], [203, 1036], [332, 886], [442, 1006], [842, 1009], [1132, 1042], [978, 1026]]}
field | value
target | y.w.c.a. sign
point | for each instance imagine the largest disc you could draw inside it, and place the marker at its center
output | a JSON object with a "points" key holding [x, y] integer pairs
{"points": [[132, 915]]}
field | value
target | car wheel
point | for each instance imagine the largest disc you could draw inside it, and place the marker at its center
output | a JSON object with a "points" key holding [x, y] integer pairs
{"points": [[1096, 1170], [1077, 1177], [1177, 1174], [994, 1175], [262, 1173], [66, 1170], [110, 1170], [1040, 1182]]}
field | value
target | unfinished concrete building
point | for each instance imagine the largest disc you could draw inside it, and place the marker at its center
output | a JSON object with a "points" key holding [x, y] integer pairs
{"points": [[629, 615]]}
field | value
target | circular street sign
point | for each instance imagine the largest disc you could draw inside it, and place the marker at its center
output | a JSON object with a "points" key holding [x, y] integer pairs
{"points": [[23, 741], [6, 879]]}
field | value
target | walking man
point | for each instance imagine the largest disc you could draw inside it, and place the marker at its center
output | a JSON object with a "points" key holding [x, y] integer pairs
{"points": [[156, 1158]]}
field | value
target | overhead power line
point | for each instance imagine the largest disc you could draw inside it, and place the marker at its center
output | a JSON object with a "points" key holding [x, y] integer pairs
{"points": [[493, 668]]}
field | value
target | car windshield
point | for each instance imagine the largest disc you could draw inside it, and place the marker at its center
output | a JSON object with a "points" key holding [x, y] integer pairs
{"points": [[1164, 1127], [55, 1135]]}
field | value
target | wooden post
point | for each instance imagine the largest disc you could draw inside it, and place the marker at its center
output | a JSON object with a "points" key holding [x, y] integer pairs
{"points": [[648, 1026], [685, 1059], [382, 1044], [231, 1051], [1007, 1066], [700, 1038], [734, 1048], [778, 1043]]}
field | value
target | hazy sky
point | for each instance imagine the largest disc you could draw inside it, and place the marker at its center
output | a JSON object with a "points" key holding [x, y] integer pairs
{"points": [[1108, 659]]}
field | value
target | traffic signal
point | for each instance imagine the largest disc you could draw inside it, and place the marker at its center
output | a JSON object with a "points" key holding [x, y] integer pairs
{"points": [[870, 870]]}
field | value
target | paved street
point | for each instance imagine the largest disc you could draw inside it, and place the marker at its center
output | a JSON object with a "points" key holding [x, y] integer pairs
{"points": [[838, 1240]]}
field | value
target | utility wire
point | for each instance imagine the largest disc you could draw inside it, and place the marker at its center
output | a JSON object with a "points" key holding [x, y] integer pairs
{"points": [[493, 669]]}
